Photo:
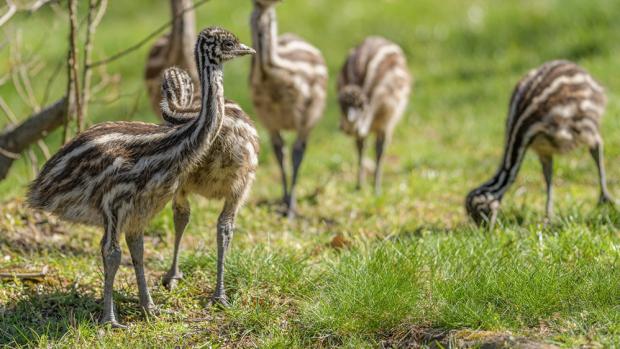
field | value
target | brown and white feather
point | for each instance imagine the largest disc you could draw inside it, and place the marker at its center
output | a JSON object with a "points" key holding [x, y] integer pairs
{"points": [[553, 109], [378, 70]]}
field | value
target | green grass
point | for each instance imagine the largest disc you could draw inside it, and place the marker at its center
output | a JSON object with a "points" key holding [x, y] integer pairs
{"points": [[413, 263]]}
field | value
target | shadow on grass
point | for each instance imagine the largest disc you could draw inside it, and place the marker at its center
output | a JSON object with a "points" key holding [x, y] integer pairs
{"points": [[419, 336], [50, 315]]}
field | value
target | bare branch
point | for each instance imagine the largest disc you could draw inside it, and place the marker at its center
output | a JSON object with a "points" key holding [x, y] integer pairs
{"points": [[35, 127], [51, 81], [12, 9], [44, 149], [38, 4], [9, 154], [25, 78], [96, 10], [34, 163], [142, 42], [7, 111], [73, 87]]}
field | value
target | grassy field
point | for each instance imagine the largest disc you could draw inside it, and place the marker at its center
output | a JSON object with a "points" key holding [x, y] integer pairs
{"points": [[355, 270]]}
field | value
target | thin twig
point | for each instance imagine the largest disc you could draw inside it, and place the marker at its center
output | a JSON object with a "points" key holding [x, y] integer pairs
{"points": [[135, 107], [7, 111], [96, 10], [4, 78], [147, 38], [73, 66], [44, 149], [9, 154], [38, 4], [50, 82], [12, 9], [34, 162], [72, 78], [25, 78]]}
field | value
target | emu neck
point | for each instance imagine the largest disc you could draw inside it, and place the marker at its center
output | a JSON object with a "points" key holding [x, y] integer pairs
{"points": [[514, 152], [199, 133], [265, 35]]}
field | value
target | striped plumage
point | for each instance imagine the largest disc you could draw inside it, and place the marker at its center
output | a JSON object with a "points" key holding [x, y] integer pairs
{"points": [[226, 172], [118, 175], [373, 91], [288, 82], [172, 49], [553, 109]]}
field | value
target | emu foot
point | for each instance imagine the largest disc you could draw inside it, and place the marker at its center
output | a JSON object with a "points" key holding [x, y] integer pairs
{"points": [[606, 200], [378, 190], [111, 322], [219, 300], [171, 280], [290, 205], [290, 214], [155, 311]]}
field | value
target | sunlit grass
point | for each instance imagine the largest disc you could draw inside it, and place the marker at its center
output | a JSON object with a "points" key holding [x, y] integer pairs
{"points": [[411, 261]]}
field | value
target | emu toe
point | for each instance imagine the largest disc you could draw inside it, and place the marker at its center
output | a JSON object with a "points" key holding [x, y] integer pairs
{"points": [[219, 300], [111, 322], [606, 200], [170, 281], [155, 311]]}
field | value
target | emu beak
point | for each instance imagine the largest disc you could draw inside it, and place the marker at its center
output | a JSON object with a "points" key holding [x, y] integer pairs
{"points": [[243, 50]]}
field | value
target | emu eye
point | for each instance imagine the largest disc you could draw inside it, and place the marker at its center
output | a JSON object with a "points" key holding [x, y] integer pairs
{"points": [[229, 45]]}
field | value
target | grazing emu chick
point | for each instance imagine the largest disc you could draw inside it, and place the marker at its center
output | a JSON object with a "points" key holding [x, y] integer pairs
{"points": [[120, 174], [373, 90], [553, 109], [289, 82], [226, 172]]}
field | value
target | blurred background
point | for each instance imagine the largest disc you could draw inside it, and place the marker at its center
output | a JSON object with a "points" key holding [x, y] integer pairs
{"points": [[465, 56]]}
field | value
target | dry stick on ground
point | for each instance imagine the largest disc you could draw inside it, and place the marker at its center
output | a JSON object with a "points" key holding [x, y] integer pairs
{"points": [[25, 276], [72, 76], [96, 10]]}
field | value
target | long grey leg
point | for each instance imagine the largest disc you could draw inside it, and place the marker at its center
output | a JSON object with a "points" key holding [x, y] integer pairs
{"points": [[278, 148], [225, 230], [547, 167], [380, 144], [299, 149], [182, 211], [597, 155], [360, 143], [111, 253], [135, 242]]}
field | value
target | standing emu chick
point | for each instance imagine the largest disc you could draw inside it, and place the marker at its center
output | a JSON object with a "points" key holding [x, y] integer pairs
{"points": [[289, 82], [118, 175], [226, 172], [553, 109], [373, 91]]}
